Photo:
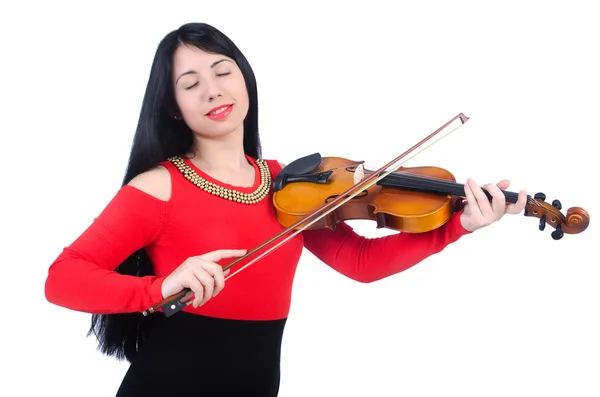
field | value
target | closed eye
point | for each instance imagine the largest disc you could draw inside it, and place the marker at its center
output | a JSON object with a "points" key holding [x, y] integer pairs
{"points": [[196, 83]]}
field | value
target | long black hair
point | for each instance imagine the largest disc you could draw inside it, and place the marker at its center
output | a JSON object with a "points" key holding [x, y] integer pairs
{"points": [[159, 136]]}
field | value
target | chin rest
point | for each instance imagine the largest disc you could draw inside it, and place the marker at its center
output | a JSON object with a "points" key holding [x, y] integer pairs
{"points": [[301, 170]]}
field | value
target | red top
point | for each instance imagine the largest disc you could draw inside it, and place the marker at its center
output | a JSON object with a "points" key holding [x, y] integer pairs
{"points": [[194, 222]]}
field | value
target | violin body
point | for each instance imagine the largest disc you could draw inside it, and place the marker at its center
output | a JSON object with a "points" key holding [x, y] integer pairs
{"points": [[410, 211]]}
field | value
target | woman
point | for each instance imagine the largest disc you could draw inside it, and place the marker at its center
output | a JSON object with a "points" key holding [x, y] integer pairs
{"points": [[163, 232]]}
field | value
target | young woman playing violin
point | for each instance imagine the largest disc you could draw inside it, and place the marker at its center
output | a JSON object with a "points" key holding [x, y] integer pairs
{"points": [[197, 193]]}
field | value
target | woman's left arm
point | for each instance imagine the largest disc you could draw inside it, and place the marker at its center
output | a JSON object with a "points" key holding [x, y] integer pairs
{"points": [[370, 259]]}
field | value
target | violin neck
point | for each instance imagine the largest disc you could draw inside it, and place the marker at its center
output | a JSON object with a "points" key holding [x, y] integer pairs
{"points": [[400, 180]]}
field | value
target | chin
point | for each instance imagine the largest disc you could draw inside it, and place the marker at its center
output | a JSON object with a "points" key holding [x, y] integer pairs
{"points": [[220, 131]]}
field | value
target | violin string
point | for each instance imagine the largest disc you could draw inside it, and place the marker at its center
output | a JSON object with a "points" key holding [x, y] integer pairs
{"points": [[441, 185], [393, 166]]}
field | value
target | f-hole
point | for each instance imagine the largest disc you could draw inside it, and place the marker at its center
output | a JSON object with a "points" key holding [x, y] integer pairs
{"points": [[362, 194]]}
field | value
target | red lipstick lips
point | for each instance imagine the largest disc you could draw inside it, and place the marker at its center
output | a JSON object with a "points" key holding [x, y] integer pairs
{"points": [[220, 112]]}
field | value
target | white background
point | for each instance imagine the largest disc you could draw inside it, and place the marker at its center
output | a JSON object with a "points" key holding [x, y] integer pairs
{"points": [[505, 311]]}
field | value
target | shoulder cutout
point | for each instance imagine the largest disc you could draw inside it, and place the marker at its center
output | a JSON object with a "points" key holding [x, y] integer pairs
{"points": [[155, 182]]}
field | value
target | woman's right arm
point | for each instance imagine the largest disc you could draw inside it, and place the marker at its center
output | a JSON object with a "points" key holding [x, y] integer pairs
{"points": [[83, 276]]}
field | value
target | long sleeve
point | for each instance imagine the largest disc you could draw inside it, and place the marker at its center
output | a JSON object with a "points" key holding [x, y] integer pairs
{"points": [[371, 259], [83, 277]]}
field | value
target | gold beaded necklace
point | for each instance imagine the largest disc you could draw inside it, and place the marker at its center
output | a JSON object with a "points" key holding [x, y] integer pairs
{"points": [[245, 198]]}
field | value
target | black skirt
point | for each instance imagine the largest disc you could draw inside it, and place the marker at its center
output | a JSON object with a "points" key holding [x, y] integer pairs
{"points": [[191, 355]]}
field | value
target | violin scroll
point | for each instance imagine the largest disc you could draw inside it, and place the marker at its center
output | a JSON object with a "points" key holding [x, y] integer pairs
{"points": [[575, 221]]}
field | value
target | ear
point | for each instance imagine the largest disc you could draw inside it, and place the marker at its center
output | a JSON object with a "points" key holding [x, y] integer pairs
{"points": [[173, 110]]}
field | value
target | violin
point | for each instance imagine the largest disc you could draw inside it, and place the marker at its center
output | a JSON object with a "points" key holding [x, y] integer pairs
{"points": [[411, 199], [319, 192]]}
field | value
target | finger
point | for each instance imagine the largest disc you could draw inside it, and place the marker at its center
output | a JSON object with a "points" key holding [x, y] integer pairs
{"points": [[471, 201], [503, 184], [485, 205], [216, 271], [519, 205], [196, 286], [482, 200], [217, 255], [207, 282], [498, 200]]}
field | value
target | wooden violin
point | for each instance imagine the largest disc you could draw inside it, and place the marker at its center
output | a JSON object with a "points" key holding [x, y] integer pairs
{"points": [[317, 192], [411, 199]]}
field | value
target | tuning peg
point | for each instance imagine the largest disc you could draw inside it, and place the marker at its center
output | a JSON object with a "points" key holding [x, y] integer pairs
{"points": [[540, 196], [542, 222], [558, 233], [557, 204]]}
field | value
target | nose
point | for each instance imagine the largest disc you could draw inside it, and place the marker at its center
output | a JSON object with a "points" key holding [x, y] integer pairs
{"points": [[213, 91]]}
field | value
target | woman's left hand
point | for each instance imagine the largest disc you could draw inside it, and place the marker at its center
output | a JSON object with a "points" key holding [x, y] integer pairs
{"points": [[480, 212]]}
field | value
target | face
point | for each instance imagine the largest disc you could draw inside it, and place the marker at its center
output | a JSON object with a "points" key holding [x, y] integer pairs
{"points": [[210, 92]]}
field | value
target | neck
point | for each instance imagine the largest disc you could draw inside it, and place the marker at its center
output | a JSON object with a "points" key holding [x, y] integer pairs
{"points": [[220, 154], [415, 182]]}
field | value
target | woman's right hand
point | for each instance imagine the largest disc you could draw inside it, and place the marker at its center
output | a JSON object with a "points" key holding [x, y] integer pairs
{"points": [[200, 274]]}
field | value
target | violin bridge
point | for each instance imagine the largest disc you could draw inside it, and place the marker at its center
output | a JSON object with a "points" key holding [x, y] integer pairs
{"points": [[359, 174]]}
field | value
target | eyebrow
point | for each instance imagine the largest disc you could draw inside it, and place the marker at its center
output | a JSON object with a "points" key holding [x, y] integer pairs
{"points": [[193, 71]]}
